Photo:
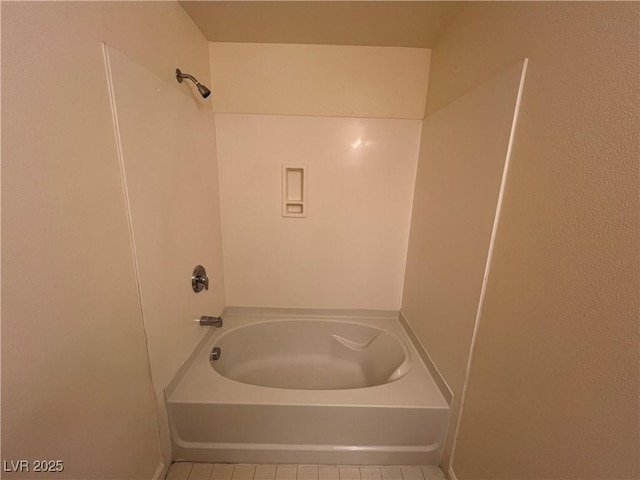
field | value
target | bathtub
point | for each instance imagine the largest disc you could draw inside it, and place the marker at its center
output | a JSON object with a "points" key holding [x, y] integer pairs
{"points": [[295, 386]]}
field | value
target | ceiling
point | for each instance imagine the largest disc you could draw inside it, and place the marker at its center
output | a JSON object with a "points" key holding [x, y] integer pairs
{"points": [[374, 23]]}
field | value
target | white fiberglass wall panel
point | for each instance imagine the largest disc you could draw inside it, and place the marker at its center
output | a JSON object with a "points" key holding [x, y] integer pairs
{"points": [[350, 249], [167, 148]]}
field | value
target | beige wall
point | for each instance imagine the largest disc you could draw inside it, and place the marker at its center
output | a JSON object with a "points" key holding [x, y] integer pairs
{"points": [[327, 80], [553, 390], [350, 250], [75, 373]]}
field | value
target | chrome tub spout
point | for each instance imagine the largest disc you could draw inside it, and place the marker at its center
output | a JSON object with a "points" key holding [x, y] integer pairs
{"points": [[211, 321]]}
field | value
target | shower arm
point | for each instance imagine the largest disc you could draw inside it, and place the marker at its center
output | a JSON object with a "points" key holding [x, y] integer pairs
{"points": [[204, 91], [181, 76]]}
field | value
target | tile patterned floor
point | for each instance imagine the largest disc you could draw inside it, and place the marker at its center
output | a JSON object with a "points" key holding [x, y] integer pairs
{"points": [[223, 471]]}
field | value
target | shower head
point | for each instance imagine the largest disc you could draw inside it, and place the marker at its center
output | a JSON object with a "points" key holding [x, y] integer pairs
{"points": [[204, 91]]}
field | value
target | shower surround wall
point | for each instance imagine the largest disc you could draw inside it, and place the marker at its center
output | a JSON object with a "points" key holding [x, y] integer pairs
{"points": [[75, 372], [166, 138], [350, 251], [463, 155]]}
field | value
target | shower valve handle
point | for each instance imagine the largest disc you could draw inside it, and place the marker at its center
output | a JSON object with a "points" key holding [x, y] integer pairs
{"points": [[199, 279]]}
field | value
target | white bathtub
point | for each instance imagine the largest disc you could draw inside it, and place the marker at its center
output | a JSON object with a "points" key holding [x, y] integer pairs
{"points": [[302, 387]]}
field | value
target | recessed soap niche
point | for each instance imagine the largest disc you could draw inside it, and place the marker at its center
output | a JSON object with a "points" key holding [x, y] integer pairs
{"points": [[294, 190]]}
